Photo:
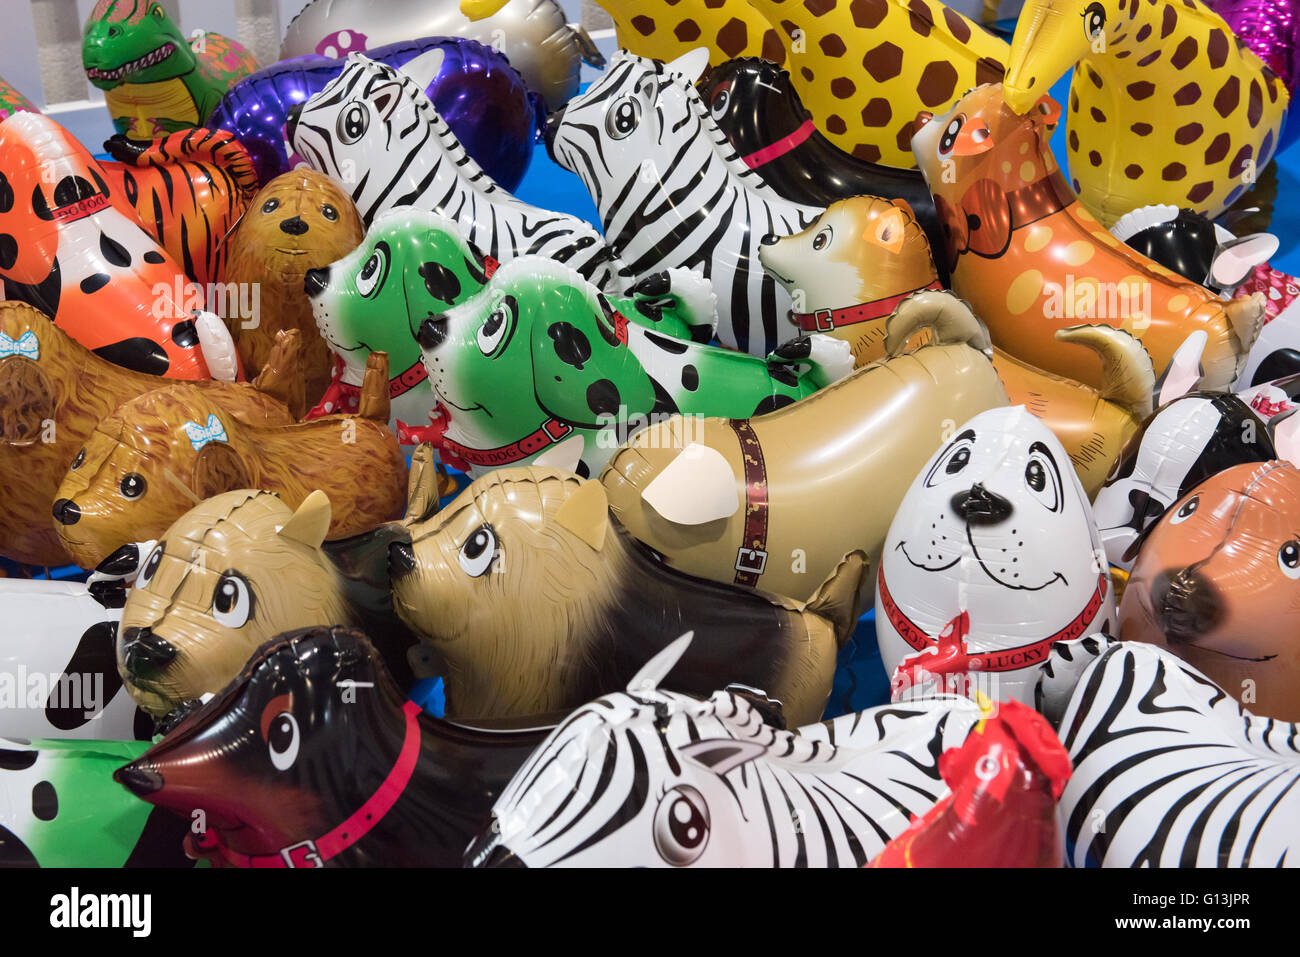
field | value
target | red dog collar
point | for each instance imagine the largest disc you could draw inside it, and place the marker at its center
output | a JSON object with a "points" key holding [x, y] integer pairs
{"points": [[314, 853], [552, 430], [824, 320], [782, 146]]}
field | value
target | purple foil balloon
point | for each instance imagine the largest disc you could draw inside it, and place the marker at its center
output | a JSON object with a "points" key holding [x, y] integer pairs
{"points": [[1268, 28], [476, 90]]}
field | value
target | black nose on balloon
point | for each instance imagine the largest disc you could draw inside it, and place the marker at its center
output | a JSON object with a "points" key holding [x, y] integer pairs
{"points": [[769, 240], [401, 560], [433, 333], [979, 506], [1186, 604], [316, 280], [66, 512], [294, 226], [145, 654], [139, 781]]}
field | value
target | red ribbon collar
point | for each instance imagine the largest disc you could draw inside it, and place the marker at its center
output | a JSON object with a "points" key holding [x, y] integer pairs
{"points": [[824, 320], [782, 146]]}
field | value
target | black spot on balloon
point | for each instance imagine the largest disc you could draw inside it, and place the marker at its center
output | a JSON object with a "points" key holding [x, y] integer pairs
{"points": [[72, 189], [582, 471], [664, 404], [690, 378], [138, 353], [572, 347], [783, 375], [13, 852], [606, 322], [603, 397], [142, 726], [8, 251], [184, 334], [651, 310], [45, 801], [154, 257], [6, 193], [92, 284], [113, 251], [13, 760], [94, 656], [440, 282], [667, 343], [772, 403], [161, 842]]}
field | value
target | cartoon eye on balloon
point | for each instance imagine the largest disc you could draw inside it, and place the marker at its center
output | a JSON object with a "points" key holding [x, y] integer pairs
{"points": [[479, 550], [494, 335], [1185, 511], [150, 567], [721, 100], [132, 486], [80, 460], [372, 274], [823, 238], [1094, 21], [283, 739], [962, 137], [1043, 477], [330, 213], [1288, 559], [623, 117], [232, 601], [270, 206], [353, 122], [681, 826], [954, 459]]}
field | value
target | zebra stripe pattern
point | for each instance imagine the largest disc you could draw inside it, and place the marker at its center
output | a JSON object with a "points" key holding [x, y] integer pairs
{"points": [[654, 779], [373, 129], [1169, 770], [671, 191]]}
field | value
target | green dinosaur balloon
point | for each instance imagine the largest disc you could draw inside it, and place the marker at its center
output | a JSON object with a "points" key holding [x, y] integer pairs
{"points": [[155, 81], [414, 264], [60, 807]]}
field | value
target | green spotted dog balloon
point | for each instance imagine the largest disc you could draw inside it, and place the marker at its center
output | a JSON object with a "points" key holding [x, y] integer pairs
{"points": [[415, 264], [540, 363]]}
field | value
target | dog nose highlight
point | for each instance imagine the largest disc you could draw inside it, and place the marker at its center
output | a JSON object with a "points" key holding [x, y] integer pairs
{"points": [[316, 280], [66, 512], [145, 653], [401, 559], [979, 506], [294, 226], [1186, 605]]}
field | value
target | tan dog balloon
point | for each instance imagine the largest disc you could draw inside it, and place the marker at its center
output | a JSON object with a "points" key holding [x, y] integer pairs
{"points": [[992, 557], [1217, 582]]}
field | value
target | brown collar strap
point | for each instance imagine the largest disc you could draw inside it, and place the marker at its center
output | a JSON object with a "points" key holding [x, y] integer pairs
{"points": [[751, 557], [824, 320]]}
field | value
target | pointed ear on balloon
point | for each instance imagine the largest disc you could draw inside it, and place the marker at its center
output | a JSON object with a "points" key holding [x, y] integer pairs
{"points": [[1234, 259], [690, 65], [723, 755], [657, 668], [586, 513], [310, 522], [424, 68]]}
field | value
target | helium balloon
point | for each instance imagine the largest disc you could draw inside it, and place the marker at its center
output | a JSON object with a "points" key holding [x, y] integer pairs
{"points": [[992, 557], [59, 807], [706, 778], [300, 221], [583, 374], [312, 757], [1268, 28], [657, 172], [73, 246], [1214, 582], [390, 147], [58, 673], [1196, 248], [755, 105], [156, 80], [730, 500], [1005, 780], [425, 265], [667, 29], [578, 604], [1179, 774], [466, 81], [1030, 260], [231, 573], [533, 34], [878, 255], [155, 456], [1192, 127]]}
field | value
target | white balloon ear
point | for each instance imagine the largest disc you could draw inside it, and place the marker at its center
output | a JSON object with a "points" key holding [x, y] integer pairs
{"points": [[1184, 370], [425, 67], [1235, 259], [657, 668], [690, 65], [695, 488]]}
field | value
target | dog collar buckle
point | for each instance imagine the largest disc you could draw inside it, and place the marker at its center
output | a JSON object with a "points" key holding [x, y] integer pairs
{"points": [[824, 320], [751, 560], [302, 854]]}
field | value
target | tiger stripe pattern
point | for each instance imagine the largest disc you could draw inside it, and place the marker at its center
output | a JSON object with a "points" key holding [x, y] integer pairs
{"points": [[672, 191], [374, 130]]}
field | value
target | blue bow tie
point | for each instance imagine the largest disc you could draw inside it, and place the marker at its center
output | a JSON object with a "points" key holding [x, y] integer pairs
{"points": [[25, 346], [200, 435]]}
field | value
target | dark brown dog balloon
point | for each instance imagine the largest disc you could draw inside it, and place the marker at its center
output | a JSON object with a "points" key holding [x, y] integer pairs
{"points": [[1217, 582]]}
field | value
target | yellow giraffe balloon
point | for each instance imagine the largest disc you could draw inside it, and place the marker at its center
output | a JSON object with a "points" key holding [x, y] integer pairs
{"points": [[865, 68], [1166, 104]]}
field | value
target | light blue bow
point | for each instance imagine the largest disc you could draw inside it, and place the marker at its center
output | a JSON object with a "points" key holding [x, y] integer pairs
{"points": [[200, 435], [25, 345]]}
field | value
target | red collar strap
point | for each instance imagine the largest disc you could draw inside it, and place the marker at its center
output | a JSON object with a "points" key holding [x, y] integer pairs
{"points": [[824, 320], [341, 396], [552, 430], [751, 556], [314, 853], [782, 146], [953, 656]]}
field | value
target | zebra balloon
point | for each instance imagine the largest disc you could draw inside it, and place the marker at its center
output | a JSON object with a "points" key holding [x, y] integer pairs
{"points": [[651, 778], [374, 130], [672, 191]]}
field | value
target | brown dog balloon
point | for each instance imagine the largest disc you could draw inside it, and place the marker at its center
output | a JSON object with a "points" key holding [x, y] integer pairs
{"points": [[300, 220], [1217, 582], [536, 600]]}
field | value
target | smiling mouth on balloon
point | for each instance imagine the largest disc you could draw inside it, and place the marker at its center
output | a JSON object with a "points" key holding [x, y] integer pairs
{"points": [[143, 63]]}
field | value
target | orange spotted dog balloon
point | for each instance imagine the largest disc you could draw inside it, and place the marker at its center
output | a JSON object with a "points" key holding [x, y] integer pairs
{"points": [[1217, 582], [1031, 260]]}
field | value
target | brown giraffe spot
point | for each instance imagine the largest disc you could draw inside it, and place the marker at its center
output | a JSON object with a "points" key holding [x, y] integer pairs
{"points": [[919, 17], [957, 26], [1098, 115], [904, 138], [686, 31], [1188, 134], [843, 88], [1074, 102], [1187, 95], [733, 37], [1074, 141], [877, 112], [1141, 129], [1077, 187], [1185, 53], [644, 25], [789, 26], [1272, 83], [807, 73], [868, 13], [988, 70], [773, 48], [867, 152], [1143, 32], [1149, 58], [1173, 172], [1094, 158], [1238, 164], [1141, 89], [1217, 149], [1123, 54], [1121, 4], [1200, 191], [714, 4], [836, 125], [1255, 104], [883, 62], [832, 45], [819, 8], [1132, 171], [1217, 49], [1226, 100], [937, 82], [1168, 23]]}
